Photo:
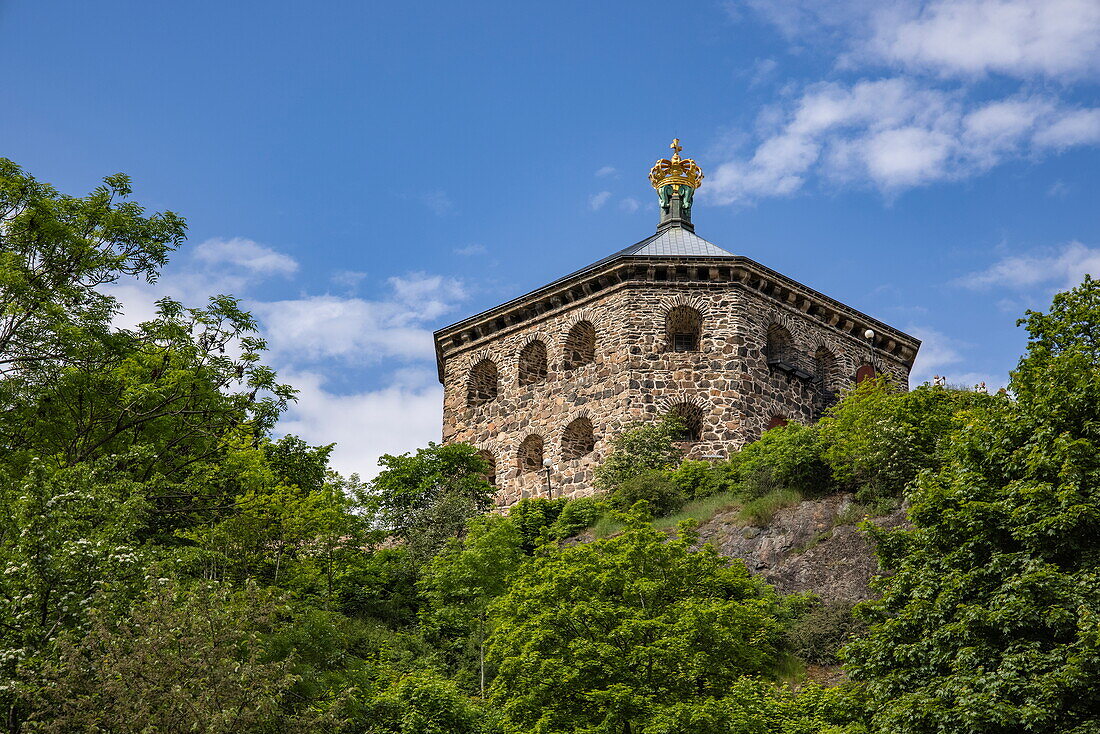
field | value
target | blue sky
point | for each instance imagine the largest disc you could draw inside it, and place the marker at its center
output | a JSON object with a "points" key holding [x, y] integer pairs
{"points": [[364, 173]]}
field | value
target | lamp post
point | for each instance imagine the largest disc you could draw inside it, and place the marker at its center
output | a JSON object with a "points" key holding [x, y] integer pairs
{"points": [[869, 335], [547, 466]]}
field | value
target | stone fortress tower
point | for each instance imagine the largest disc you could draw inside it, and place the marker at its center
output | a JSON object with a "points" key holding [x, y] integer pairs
{"points": [[542, 383]]}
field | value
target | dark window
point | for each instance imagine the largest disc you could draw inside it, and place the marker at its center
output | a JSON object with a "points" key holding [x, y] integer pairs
{"points": [[580, 345], [577, 440], [684, 327], [779, 349], [491, 471], [532, 363], [775, 422], [685, 343], [691, 419], [530, 454], [483, 383]]}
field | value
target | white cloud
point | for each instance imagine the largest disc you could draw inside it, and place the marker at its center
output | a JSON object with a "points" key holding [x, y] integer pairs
{"points": [[348, 278], [942, 355], [401, 417], [246, 254], [359, 330], [470, 250], [950, 38], [1062, 267], [596, 201], [937, 350], [438, 201], [630, 204], [216, 266], [894, 134], [606, 171], [762, 71], [1019, 38], [1077, 127]]}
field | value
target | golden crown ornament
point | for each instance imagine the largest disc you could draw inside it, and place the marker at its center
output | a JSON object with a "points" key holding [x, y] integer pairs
{"points": [[676, 175]]}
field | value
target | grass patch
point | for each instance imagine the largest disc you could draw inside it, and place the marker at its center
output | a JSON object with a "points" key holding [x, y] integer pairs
{"points": [[701, 510], [789, 668], [858, 511], [606, 526], [761, 510]]}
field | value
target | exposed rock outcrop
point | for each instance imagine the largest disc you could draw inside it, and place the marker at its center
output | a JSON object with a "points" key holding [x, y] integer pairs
{"points": [[811, 546]]}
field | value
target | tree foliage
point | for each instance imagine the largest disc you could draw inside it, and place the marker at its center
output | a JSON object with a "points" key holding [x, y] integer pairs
{"points": [[641, 447], [990, 621], [426, 498], [594, 637]]}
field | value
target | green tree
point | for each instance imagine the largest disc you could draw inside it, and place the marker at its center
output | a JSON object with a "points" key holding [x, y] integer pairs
{"points": [[786, 457], [462, 581], [426, 498], [877, 438], [55, 253], [641, 447], [426, 703], [595, 636], [182, 660], [990, 621]]}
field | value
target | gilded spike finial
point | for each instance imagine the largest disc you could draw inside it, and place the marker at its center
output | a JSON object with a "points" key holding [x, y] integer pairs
{"points": [[676, 175]]}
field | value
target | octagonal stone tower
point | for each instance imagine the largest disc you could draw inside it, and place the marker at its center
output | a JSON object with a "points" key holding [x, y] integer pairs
{"points": [[542, 383]]}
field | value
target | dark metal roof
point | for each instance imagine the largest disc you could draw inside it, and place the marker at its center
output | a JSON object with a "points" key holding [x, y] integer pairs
{"points": [[669, 242]]}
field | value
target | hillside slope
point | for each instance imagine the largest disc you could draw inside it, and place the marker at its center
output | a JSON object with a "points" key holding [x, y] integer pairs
{"points": [[813, 546]]}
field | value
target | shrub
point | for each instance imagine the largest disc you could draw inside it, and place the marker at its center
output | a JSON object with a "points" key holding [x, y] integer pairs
{"points": [[788, 457], [877, 439], [654, 487], [577, 516], [697, 479], [533, 518], [641, 448], [825, 628]]}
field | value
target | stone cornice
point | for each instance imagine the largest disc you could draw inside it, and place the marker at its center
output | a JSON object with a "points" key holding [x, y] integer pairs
{"points": [[608, 276]]}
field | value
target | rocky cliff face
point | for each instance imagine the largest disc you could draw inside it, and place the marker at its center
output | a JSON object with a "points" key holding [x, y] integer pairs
{"points": [[812, 546]]}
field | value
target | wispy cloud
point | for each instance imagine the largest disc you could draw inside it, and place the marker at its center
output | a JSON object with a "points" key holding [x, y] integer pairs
{"points": [[247, 254], [348, 278], [438, 202], [358, 330], [629, 204], [399, 417], [1059, 267], [470, 250], [597, 201], [896, 134], [605, 171], [929, 120], [948, 38], [1018, 38]]}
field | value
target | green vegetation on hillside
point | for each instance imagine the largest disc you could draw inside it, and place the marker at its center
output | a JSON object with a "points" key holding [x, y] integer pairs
{"points": [[168, 565]]}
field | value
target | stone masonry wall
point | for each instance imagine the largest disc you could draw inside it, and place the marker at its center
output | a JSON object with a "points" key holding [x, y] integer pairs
{"points": [[635, 374]]}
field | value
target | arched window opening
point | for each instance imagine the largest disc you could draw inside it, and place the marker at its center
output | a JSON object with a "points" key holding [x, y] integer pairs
{"points": [[691, 420], [684, 326], [865, 372], [580, 345], [530, 454], [484, 383], [824, 380], [779, 349], [776, 421], [577, 440], [825, 372], [532, 363], [491, 462]]}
